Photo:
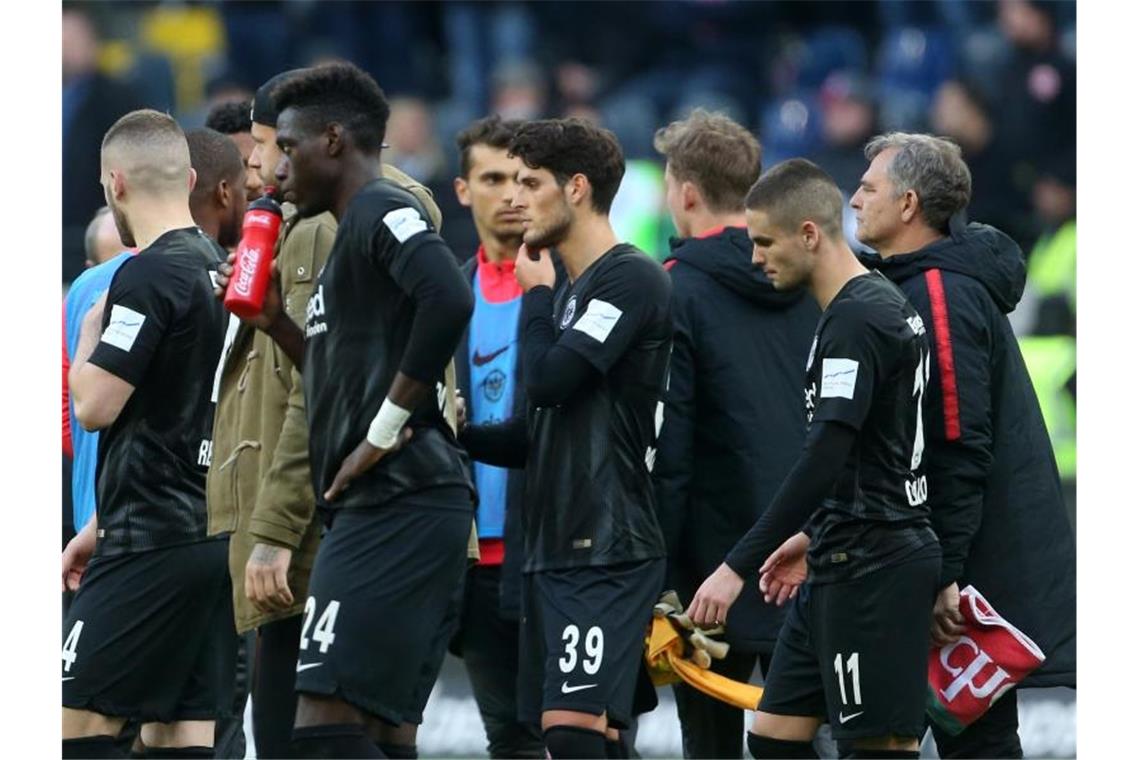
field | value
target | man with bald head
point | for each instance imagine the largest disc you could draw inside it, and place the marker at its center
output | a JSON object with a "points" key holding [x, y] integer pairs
{"points": [[149, 635], [101, 242]]}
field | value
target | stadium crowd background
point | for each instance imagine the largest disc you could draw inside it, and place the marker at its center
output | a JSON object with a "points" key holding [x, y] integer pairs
{"points": [[813, 79]]}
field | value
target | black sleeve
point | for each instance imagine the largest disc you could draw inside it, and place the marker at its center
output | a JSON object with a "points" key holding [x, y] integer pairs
{"points": [[673, 467], [812, 478], [629, 296], [501, 444], [138, 313], [852, 355], [553, 372], [425, 268]]}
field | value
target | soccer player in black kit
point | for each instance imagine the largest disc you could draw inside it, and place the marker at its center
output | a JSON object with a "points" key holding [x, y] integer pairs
{"points": [[596, 358], [853, 649], [150, 634], [390, 479]]}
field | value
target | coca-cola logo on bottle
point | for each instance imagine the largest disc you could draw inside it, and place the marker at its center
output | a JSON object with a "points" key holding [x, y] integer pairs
{"points": [[246, 267], [259, 219]]}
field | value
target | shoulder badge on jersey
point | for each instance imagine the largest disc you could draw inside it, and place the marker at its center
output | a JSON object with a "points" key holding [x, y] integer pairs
{"points": [[568, 314]]}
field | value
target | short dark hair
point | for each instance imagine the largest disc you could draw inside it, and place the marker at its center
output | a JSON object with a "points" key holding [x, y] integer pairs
{"points": [[142, 126], [493, 131], [337, 92], [230, 118], [152, 148], [566, 147], [716, 154], [214, 157], [795, 191]]}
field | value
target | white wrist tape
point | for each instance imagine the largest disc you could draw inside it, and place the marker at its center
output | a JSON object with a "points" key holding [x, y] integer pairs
{"points": [[385, 428]]}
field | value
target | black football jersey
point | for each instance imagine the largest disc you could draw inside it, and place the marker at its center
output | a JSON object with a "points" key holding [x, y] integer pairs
{"points": [[357, 325], [868, 368], [589, 499], [163, 330]]}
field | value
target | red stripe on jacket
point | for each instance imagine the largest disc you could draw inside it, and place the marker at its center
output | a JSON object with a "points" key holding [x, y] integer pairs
{"points": [[945, 353]]}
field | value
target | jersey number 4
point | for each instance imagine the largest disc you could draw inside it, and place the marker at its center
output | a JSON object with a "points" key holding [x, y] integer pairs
{"points": [[70, 645], [323, 633]]}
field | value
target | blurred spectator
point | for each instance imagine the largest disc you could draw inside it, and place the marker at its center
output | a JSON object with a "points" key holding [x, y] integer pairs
{"points": [[961, 112], [412, 146], [91, 104], [959, 16], [847, 105], [1048, 312], [224, 88], [1038, 90], [826, 50], [1051, 283], [849, 119], [576, 87], [482, 38], [912, 63], [519, 91], [790, 127]]}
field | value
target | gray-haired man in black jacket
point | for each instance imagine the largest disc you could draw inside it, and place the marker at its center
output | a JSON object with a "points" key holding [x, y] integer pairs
{"points": [[995, 493]]}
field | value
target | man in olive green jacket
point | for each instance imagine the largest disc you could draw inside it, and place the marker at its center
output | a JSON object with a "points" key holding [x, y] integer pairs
{"points": [[259, 488]]}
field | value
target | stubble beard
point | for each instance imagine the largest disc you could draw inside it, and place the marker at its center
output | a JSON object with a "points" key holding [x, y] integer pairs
{"points": [[123, 225], [551, 236]]}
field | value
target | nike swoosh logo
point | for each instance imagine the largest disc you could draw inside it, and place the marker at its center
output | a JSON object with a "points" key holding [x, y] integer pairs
{"points": [[567, 689], [479, 360], [67, 678], [844, 718], [301, 667]]}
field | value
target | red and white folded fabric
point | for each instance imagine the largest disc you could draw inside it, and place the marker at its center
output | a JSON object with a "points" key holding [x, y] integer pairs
{"points": [[966, 677]]}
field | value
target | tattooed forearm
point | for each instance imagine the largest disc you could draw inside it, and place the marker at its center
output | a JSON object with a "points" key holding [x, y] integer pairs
{"points": [[264, 554]]}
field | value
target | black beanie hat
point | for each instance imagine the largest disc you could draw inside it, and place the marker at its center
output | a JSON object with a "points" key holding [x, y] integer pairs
{"points": [[263, 110]]}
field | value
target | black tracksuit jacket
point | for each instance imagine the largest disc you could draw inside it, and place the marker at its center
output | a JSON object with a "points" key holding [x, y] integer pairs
{"points": [[734, 419], [995, 494]]}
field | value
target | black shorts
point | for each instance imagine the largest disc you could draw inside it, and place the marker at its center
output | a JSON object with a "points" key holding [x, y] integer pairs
{"points": [[150, 636], [378, 596], [582, 638], [854, 653]]}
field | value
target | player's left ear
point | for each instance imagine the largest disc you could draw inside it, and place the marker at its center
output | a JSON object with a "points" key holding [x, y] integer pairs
{"points": [[119, 185], [334, 136], [690, 195], [910, 205], [809, 236], [578, 189], [193, 178], [222, 194]]}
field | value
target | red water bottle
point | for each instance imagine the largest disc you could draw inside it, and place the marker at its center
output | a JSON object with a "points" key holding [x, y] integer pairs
{"points": [[245, 294]]}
